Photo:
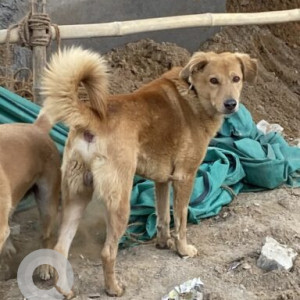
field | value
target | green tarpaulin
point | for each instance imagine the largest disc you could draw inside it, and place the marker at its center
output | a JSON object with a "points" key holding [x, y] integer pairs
{"points": [[14, 108], [240, 158]]}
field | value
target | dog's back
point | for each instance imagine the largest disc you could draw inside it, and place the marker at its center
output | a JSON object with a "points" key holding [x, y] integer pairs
{"points": [[28, 157], [26, 150]]}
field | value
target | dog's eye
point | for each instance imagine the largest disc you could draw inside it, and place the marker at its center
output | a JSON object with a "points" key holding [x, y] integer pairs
{"points": [[236, 79], [214, 80]]}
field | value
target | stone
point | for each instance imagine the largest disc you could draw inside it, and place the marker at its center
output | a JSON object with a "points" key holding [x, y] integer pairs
{"points": [[246, 266], [275, 256]]}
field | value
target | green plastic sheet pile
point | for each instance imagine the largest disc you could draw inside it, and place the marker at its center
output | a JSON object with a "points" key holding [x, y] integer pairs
{"points": [[14, 108]]}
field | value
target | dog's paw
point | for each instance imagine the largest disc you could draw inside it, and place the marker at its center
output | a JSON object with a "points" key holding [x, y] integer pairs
{"points": [[168, 244], [116, 290], [188, 250], [67, 295], [70, 295], [45, 272]]}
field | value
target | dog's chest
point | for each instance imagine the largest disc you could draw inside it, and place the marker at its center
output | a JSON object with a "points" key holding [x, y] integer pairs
{"points": [[154, 166], [160, 165]]}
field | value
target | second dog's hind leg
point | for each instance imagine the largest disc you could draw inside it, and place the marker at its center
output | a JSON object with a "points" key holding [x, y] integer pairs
{"points": [[47, 197], [6, 246], [5, 209], [4, 227]]}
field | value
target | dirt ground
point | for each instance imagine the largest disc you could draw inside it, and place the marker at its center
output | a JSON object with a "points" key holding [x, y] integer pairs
{"points": [[228, 246], [230, 243]]}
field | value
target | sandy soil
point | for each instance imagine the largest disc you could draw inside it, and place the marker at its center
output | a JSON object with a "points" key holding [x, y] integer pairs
{"points": [[234, 238]]}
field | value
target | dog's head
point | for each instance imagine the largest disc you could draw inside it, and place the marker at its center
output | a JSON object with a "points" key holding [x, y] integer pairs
{"points": [[218, 78]]}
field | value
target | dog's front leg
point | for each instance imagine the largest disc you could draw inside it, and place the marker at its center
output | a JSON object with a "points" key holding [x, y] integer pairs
{"points": [[182, 193], [162, 195]]}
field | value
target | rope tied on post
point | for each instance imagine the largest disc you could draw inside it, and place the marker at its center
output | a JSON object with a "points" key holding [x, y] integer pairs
{"points": [[35, 31], [28, 24], [37, 22]]}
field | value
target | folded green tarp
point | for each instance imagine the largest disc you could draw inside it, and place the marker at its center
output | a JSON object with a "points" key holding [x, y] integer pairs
{"points": [[14, 108], [240, 158], [267, 160]]}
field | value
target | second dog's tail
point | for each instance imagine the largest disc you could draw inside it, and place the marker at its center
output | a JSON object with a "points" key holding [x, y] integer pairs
{"points": [[43, 123], [66, 70]]}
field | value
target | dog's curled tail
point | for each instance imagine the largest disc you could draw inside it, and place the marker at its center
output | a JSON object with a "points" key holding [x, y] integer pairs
{"points": [[43, 123], [66, 70]]}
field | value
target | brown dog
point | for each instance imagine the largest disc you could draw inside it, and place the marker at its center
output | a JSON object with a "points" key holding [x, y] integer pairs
{"points": [[28, 159], [161, 132]]}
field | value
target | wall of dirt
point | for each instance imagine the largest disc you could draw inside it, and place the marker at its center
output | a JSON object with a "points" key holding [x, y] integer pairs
{"points": [[276, 95], [289, 32]]}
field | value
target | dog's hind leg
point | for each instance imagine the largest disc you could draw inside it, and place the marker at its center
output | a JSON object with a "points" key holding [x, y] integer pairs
{"points": [[74, 205], [77, 191], [47, 198], [7, 249], [113, 187], [182, 193], [5, 209], [162, 195], [47, 192], [4, 217], [116, 223]]}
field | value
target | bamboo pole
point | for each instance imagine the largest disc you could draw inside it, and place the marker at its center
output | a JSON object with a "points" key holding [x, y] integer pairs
{"points": [[39, 58], [155, 24]]}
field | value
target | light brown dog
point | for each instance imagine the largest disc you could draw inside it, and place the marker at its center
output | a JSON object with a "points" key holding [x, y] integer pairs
{"points": [[161, 132], [28, 159]]}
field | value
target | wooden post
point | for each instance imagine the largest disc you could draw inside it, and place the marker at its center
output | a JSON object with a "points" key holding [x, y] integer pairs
{"points": [[38, 53]]}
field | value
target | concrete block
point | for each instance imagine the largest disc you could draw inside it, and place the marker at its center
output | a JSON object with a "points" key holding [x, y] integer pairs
{"points": [[275, 256]]}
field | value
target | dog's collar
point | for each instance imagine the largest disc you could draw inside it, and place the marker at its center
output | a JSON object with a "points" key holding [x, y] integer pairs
{"points": [[191, 86]]}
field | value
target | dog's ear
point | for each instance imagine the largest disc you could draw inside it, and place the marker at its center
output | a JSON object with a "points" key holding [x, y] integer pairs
{"points": [[197, 62], [249, 67]]}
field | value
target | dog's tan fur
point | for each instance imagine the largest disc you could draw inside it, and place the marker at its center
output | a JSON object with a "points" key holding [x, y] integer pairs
{"points": [[160, 131], [28, 158]]}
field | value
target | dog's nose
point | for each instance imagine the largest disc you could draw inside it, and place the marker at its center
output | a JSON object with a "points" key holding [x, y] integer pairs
{"points": [[230, 104]]}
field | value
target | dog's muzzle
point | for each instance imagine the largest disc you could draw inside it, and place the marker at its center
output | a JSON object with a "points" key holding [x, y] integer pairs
{"points": [[230, 106]]}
